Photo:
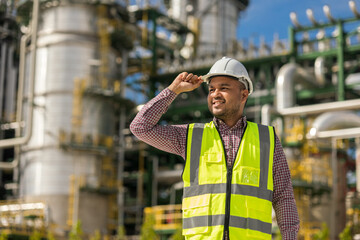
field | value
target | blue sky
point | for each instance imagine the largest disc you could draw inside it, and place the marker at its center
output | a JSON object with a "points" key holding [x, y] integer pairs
{"points": [[266, 17]]}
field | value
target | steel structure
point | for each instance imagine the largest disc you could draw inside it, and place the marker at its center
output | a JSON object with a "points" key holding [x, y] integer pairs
{"points": [[314, 72], [69, 143]]}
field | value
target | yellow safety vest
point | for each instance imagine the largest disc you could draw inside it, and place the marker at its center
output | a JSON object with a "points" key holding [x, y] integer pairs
{"points": [[237, 199]]}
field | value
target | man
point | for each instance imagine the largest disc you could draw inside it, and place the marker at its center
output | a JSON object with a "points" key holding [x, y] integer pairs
{"points": [[235, 170]]}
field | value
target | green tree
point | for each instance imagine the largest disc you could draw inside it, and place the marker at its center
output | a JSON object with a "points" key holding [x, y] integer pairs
{"points": [[50, 236], [346, 233], [177, 235], [121, 234], [97, 235], [76, 232], [3, 236], [35, 235], [277, 235], [147, 230], [323, 234]]}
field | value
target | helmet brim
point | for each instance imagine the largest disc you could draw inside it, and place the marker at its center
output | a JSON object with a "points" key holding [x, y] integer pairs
{"points": [[247, 82]]}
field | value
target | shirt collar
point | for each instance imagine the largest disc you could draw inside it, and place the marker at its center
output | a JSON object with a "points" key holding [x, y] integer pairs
{"points": [[220, 123]]}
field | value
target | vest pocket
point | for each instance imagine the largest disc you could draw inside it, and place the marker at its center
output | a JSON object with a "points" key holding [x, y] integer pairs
{"points": [[196, 214], [249, 176], [214, 168]]}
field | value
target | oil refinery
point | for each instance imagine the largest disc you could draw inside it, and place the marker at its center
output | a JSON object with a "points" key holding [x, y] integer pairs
{"points": [[74, 73]]}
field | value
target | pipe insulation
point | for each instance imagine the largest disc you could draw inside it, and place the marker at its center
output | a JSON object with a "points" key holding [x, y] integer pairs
{"points": [[288, 75], [336, 123]]}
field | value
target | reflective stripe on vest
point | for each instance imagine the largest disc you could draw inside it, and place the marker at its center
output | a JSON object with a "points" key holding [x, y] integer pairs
{"points": [[205, 176]]}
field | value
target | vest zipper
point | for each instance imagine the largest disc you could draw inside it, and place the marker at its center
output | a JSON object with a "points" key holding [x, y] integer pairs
{"points": [[228, 185], [228, 199]]}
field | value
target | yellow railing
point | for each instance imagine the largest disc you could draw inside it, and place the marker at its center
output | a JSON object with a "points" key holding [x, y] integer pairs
{"points": [[167, 217], [17, 216]]}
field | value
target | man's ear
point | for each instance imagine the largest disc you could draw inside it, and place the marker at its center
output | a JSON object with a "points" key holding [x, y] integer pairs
{"points": [[244, 95]]}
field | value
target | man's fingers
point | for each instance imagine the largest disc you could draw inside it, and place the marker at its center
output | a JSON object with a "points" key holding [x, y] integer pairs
{"points": [[188, 77], [182, 76]]}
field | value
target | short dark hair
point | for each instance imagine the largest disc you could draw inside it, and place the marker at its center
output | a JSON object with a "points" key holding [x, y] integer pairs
{"points": [[242, 85]]}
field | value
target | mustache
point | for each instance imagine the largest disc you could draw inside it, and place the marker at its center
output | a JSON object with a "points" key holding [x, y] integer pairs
{"points": [[219, 98]]}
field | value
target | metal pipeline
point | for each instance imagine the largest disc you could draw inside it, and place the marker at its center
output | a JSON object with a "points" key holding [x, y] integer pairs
{"points": [[327, 12], [339, 124], [285, 84], [320, 108], [310, 15], [294, 20], [352, 6], [319, 70], [266, 111], [346, 125], [285, 93], [24, 139]]}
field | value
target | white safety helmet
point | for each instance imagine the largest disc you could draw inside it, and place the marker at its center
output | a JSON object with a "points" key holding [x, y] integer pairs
{"points": [[230, 67]]}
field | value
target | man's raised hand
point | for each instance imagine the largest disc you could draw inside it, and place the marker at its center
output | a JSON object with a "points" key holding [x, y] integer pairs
{"points": [[185, 82]]}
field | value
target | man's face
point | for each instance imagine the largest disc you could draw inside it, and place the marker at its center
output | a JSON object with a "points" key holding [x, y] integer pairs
{"points": [[226, 98]]}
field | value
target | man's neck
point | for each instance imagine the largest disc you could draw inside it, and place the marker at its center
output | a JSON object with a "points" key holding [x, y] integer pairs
{"points": [[227, 123]]}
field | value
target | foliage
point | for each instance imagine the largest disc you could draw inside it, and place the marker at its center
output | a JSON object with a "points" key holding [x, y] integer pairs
{"points": [[35, 235], [323, 234], [97, 235], [3, 236], [177, 235], [50, 236], [277, 235], [76, 232], [147, 230], [121, 234], [346, 233]]}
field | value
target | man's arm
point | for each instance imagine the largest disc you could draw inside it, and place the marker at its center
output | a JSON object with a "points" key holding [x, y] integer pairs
{"points": [[283, 200], [169, 138]]}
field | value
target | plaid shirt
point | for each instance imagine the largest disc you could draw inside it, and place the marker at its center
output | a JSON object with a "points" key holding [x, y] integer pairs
{"points": [[172, 138]]}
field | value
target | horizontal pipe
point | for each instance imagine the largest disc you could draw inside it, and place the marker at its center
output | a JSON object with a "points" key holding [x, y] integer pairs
{"points": [[339, 133], [320, 108]]}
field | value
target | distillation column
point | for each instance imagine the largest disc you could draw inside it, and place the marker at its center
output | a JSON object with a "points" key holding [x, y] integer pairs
{"points": [[218, 21], [67, 56]]}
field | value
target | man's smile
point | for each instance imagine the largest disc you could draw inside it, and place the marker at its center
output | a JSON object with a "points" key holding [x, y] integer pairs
{"points": [[218, 102]]}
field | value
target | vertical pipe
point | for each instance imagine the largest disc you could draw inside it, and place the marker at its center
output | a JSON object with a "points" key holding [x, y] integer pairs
{"points": [[154, 185], [9, 107], [357, 142], [28, 132], [340, 62], [153, 18], [75, 216], [333, 219], [120, 172], [139, 188], [3, 61], [221, 9], [121, 153], [292, 44], [3, 54]]}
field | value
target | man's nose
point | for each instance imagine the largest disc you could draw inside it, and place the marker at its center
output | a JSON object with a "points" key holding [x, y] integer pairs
{"points": [[216, 93]]}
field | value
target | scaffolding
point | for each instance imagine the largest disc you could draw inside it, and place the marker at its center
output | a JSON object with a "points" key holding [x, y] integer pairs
{"points": [[23, 218], [141, 166]]}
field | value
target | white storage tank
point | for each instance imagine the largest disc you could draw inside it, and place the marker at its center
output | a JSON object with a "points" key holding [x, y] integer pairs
{"points": [[68, 43]]}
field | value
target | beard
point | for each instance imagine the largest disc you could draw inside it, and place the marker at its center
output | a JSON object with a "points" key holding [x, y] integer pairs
{"points": [[224, 114]]}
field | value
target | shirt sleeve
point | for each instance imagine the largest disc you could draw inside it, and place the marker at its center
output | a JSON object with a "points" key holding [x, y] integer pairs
{"points": [[283, 196], [169, 138]]}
